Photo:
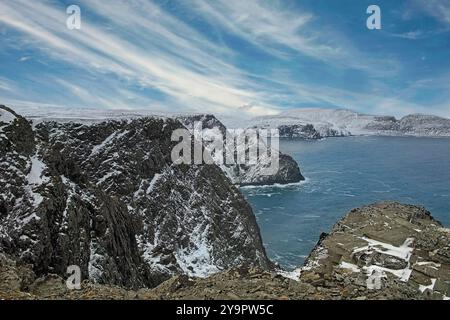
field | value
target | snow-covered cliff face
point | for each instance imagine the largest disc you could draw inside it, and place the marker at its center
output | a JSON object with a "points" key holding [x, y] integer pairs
{"points": [[107, 197], [324, 122], [341, 122], [425, 125], [246, 174]]}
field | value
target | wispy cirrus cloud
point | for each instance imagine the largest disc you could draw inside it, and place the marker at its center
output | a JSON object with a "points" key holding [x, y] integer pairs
{"points": [[440, 9], [185, 70], [207, 56], [287, 33], [7, 85], [25, 58], [411, 35]]}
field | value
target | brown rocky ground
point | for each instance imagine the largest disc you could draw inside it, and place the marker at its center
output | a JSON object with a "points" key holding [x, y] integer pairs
{"points": [[383, 251]]}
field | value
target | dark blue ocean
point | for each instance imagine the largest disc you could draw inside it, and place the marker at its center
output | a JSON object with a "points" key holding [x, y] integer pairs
{"points": [[344, 173]]}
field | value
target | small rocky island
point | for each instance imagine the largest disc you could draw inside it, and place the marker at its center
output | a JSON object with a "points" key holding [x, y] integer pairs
{"points": [[105, 196]]}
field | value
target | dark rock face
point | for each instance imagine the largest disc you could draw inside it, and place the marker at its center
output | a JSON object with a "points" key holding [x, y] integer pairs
{"points": [[243, 175], [106, 197], [383, 124]]}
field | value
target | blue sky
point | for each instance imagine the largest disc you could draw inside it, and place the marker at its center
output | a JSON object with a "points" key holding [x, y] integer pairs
{"points": [[227, 56]]}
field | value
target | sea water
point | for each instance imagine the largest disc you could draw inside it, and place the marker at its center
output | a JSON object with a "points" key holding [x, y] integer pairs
{"points": [[344, 173]]}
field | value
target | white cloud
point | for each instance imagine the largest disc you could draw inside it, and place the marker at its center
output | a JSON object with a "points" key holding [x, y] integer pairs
{"points": [[275, 28], [189, 73], [262, 24], [23, 59], [146, 47], [7, 85], [411, 35]]}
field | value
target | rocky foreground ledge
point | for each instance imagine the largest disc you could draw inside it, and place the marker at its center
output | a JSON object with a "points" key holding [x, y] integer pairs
{"points": [[382, 251]]}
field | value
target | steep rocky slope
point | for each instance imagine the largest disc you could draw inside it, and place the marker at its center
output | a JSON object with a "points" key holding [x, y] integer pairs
{"points": [[106, 197], [382, 251], [319, 123]]}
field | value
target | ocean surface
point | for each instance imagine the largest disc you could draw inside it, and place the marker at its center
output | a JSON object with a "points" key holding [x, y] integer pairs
{"points": [[344, 173]]}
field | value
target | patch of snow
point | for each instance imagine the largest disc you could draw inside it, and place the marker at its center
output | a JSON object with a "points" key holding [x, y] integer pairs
{"points": [[37, 169], [432, 264], [154, 261], [402, 274], [431, 286], [31, 217], [294, 275], [153, 182], [107, 176], [94, 267], [374, 276], [68, 200], [6, 117], [403, 252], [196, 260], [96, 149], [322, 253], [349, 266], [37, 198], [35, 179]]}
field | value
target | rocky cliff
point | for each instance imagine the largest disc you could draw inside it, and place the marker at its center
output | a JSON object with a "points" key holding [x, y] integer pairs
{"points": [[107, 197], [381, 251]]}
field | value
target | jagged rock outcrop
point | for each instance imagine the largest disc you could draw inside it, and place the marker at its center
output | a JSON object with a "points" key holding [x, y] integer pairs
{"points": [[245, 174], [107, 197], [383, 251]]}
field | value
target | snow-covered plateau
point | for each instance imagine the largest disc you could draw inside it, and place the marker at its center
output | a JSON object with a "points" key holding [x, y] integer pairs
{"points": [[320, 123]]}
